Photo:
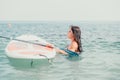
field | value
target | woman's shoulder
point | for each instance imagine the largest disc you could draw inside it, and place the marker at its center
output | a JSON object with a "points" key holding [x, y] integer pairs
{"points": [[74, 44]]}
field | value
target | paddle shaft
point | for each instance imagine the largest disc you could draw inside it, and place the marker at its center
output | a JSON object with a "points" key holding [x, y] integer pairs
{"points": [[25, 41]]}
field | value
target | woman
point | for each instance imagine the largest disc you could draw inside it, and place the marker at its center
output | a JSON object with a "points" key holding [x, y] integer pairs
{"points": [[75, 47]]}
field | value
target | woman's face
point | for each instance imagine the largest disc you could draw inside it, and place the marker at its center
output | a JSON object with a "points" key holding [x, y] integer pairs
{"points": [[70, 34]]}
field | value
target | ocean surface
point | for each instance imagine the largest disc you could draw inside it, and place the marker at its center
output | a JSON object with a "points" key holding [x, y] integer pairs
{"points": [[100, 59]]}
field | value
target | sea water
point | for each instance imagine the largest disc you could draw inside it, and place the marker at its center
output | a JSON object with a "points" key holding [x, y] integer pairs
{"points": [[100, 59]]}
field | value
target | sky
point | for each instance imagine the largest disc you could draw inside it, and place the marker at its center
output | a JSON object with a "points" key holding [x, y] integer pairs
{"points": [[53, 10]]}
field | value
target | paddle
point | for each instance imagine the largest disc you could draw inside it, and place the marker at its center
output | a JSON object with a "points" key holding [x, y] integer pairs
{"points": [[26, 41]]}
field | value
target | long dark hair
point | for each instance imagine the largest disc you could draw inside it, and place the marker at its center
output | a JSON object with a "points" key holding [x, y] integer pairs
{"points": [[77, 36]]}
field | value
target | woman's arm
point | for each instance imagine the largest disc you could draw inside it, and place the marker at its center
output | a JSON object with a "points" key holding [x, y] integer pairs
{"points": [[60, 51], [57, 49]]}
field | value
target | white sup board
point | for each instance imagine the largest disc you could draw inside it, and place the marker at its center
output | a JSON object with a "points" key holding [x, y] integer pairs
{"points": [[20, 52]]}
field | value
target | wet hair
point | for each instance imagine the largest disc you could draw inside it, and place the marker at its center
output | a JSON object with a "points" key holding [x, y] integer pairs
{"points": [[77, 36]]}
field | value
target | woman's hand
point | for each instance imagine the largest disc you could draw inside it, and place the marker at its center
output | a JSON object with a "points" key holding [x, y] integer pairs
{"points": [[50, 45]]}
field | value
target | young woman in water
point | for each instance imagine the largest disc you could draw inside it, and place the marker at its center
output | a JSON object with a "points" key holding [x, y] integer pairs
{"points": [[75, 47]]}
